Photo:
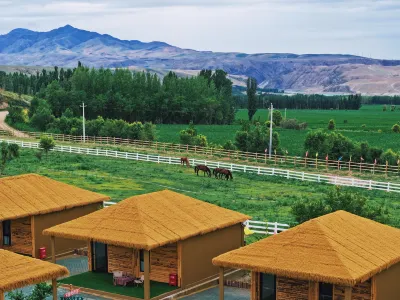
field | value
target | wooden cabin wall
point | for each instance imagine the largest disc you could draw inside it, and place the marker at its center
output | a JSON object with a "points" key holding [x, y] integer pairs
{"points": [[387, 284], [42, 222], [21, 236], [163, 261], [361, 291], [291, 289], [121, 259], [197, 252]]}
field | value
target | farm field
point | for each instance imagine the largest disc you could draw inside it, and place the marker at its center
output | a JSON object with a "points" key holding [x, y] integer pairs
{"points": [[262, 197], [371, 115]]}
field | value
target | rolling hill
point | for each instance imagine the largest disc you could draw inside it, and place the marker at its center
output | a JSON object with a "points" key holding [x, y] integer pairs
{"points": [[309, 73]]}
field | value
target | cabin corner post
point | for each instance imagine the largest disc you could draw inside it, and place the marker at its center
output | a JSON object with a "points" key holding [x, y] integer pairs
{"points": [[1, 295], [53, 249], [347, 293], [33, 236], [221, 283], [146, 274], [54, 285], [313, 291]]}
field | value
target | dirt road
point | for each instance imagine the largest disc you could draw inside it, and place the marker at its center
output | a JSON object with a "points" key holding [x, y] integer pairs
{"points": [[4, 126]]}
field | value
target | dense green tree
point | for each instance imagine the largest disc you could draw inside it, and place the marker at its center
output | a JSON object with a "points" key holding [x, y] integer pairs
{"points": [[251, 97], [8, 153], [338, 198], [46, 143], [277, 117]]}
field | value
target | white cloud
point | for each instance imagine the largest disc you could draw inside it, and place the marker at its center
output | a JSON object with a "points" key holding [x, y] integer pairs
{"points": [[363, 27]]}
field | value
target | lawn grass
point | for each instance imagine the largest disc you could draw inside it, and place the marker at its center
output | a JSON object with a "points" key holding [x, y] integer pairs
{"points": [[104, 282], [377, 130], [262, 197]]}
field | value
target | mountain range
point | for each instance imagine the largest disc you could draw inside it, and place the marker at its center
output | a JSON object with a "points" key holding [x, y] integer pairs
{"points": [[309, 73]]}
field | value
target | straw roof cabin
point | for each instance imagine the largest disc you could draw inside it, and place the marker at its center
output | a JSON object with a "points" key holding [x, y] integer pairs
{"points": [[17, 271], [340, 249]]}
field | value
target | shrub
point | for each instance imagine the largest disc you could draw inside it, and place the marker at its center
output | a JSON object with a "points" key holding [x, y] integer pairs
{"points": [[379, 130], [47, 143], [345, 121], [289, 124], [229, 145], [256, 140], [331, 124], [396, 128], [277, 117], [16, 115], [39, 155], [363, 126], [384, 108], [268, 124], [189, 136], [390, 156]]}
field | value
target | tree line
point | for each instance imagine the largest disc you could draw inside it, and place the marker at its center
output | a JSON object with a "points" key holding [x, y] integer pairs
{"points": [[130, 96]]}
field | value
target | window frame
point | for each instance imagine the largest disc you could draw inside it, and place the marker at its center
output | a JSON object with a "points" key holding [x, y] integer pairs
{"points": [[6, 226], [324, 296]]}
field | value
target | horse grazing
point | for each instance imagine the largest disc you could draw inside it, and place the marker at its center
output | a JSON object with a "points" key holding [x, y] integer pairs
{"points": [[227, 173], [203, 168], [216, 172], [185, 161]]}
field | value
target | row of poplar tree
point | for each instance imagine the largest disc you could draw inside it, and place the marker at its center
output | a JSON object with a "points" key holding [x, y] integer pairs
{"points": [[130, 96]]}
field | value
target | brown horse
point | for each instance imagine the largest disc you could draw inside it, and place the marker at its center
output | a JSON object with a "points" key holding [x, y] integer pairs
{"points": [[203, 168], [216, 172], [185, 161], [227, 173]]}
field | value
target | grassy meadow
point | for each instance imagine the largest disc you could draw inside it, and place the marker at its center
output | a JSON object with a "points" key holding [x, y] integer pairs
{"points": [[370, 124], [262, 197]]}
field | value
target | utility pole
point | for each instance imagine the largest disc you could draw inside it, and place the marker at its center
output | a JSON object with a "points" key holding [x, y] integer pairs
{"points": [[270, 131], [285, 113], [83, 123]]}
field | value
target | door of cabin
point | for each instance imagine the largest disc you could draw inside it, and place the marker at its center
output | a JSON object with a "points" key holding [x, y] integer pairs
{"points": [[99, 257]]}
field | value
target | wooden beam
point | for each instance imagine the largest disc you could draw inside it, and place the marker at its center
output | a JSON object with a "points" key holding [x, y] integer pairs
{"points": [[33, 236], [180, 260], [255, 285], [373, 288], [347, 293], [53, 249], [54, 285], [1, 295], [313, 291], [221, 284], [146, 274]]}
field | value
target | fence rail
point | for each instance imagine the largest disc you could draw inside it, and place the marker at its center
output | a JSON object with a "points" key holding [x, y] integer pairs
{"points": [[266, 227], [263, 158], [289, 174]]}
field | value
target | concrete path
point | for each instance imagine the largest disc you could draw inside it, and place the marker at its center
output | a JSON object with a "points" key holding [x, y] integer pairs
{"points": [[4, 126], [213, 294]]}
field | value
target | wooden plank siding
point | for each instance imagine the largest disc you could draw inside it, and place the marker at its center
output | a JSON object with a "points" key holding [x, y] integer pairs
{"points": [[21, 236], [163, 261], [255, 286], [291, 289], [362, 291]]}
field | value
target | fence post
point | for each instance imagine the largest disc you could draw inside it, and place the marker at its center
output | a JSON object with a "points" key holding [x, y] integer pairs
{"points": [[70, 149], [244, 169], [231, 167], [302, 176], [137, 156], [273, 171], [288, 174], [388, 187], [319, 178], [169, 160], [276, 228], [258, 170], [370, 184], [126, 155]]}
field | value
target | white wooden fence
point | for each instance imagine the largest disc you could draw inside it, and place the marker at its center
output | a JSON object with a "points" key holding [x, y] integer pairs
{"points": [[288, 174], [266, 227]]}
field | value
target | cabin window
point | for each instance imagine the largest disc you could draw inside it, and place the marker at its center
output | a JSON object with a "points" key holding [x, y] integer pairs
{"points": [[267, 287], [325, 291], [141, 261], [7, 233]]}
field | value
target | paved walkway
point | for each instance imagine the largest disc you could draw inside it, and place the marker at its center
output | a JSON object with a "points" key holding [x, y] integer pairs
{"points": [[213, 294]]}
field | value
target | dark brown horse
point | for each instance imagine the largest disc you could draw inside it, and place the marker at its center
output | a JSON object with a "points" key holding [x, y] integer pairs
{"points": [[203, 168], [216, 172], [227, 173], [185, 161]]}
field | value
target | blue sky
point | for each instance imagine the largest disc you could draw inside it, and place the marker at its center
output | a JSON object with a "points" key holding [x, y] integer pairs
{"points": [[369, 27]]}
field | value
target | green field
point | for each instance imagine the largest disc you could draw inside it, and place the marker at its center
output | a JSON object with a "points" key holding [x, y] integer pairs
{"points": [[372, 116], [262, 197]]}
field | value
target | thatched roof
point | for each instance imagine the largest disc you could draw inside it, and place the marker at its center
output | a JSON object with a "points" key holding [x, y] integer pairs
{"points": [[17, 271], [149, 221], [31, 194], [338, 248]]}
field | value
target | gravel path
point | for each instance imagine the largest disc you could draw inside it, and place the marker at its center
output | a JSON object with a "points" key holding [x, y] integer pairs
{"points": [[4, 125]]}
